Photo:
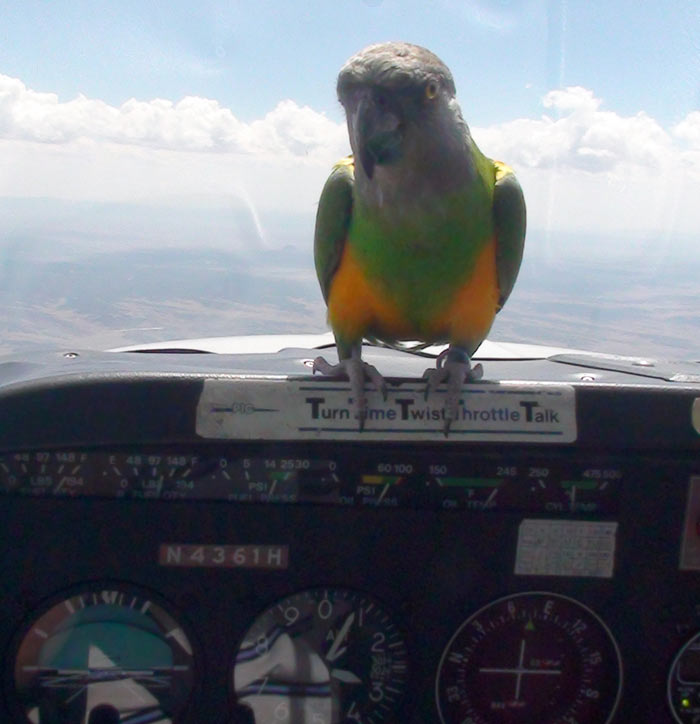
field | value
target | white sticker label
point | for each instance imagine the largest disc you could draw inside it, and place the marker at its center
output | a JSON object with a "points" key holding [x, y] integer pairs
{"points": [[281, 409], [690, 546], [566, 548]]}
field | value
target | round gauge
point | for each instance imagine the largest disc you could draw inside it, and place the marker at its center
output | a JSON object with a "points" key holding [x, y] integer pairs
{"points": [[322, 656], [530, 657], [103, 655], [684, 683]]}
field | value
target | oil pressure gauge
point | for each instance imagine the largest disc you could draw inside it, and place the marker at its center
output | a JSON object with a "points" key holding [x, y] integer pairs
{"points": [[531, 657], [103, 654]]}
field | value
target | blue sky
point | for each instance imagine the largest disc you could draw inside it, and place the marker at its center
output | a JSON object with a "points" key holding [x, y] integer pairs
{"points": [[505, 54], [594, 103], [114, 114]]}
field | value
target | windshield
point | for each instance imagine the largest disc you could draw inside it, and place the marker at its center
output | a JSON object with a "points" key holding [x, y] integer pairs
{"points": [[160, 167]]}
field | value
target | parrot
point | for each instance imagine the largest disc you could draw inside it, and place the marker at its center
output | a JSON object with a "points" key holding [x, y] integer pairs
{"points": [[419, 236]]}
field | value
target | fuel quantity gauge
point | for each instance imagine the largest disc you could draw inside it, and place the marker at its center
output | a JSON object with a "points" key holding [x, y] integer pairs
{"points": [[43, 473], [151, 475], [103, 655]]}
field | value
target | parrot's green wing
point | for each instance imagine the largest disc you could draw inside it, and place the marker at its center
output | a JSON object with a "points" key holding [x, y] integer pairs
{"points": [[333, 221], [510, 220]]}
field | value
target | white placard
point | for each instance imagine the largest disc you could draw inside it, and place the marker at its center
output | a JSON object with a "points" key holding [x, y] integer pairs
{"points": [[250, 408], [566, 548]]}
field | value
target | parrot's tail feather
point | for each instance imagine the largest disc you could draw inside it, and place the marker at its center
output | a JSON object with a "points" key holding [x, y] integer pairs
{"points": [[416, 348]]}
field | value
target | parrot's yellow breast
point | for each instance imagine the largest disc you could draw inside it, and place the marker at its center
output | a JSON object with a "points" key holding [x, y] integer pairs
{"points": [[357, 307]]}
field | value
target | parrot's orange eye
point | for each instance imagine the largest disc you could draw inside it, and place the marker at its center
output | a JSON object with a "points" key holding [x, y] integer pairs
{"points": [[431, 90]]}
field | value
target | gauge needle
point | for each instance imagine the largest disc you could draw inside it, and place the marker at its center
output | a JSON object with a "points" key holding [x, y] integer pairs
{"points": [[347, 677], [335, 651], [383, 493]]}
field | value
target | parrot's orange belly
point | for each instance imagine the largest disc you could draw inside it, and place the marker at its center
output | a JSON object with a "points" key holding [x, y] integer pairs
{"points": [[357, 308]]}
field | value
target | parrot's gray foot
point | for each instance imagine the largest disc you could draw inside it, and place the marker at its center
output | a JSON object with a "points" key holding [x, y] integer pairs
{"points": [[357, 372], [453, 368]]}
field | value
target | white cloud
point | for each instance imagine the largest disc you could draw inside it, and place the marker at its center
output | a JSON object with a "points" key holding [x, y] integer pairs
{"points": [[582, 136], [192, 124], [688, 130], [583, 167]]}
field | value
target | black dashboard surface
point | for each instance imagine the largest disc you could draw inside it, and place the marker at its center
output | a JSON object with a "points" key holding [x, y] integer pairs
{"points": [[156, 570]]}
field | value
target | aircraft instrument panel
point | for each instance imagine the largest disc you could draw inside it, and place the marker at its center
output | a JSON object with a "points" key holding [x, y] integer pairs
{"points": [[167, 560]]}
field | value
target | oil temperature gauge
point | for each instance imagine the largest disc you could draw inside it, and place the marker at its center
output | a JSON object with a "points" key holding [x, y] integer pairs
{"points": [[322, 656], [532, 657], [103, 655]]}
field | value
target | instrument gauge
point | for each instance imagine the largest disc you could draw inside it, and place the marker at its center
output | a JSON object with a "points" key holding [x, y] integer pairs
{"points": [[322, 656], [38, 473], [531, 657], [102, 655], [684, 683]]}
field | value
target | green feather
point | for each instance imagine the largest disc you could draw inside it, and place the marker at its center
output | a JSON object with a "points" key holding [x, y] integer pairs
{"points": [[510, 220], [421, 260], [332, 223]]}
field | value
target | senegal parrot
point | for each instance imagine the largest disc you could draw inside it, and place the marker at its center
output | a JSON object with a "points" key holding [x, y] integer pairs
{"points": [[419, 236]]}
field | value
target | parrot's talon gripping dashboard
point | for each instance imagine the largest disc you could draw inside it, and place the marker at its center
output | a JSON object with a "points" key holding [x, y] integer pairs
{"points": [[215, 541]]}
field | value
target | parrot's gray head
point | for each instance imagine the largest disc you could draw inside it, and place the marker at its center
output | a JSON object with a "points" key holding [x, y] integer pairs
{"points": [[401, 110]]}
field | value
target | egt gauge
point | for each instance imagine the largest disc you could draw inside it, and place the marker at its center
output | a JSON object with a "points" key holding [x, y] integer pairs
{"points": [[102, 655], [531, 657]]}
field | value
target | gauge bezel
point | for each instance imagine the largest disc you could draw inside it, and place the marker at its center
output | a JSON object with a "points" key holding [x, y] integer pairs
{"points": [[521, 594], [396, 617], [35, 610], [672, 668]]}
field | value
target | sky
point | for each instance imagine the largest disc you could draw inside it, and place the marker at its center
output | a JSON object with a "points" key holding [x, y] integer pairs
{"points": [[227, 111]]}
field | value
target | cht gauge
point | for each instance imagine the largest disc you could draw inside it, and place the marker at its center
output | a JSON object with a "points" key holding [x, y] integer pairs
{"points": [[531, 657], [322, 656], [103, 655]]}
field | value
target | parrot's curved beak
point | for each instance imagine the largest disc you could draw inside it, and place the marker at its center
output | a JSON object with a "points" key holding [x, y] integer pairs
{"points": [[378, 130]]}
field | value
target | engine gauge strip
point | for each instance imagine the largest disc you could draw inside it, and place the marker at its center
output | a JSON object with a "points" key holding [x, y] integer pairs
{"points": [[419, 478]]}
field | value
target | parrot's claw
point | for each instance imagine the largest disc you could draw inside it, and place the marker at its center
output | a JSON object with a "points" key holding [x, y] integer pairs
{"points": [[454, 369], [357, 372]]}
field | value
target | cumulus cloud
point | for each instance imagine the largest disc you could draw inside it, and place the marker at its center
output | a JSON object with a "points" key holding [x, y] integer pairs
{"points": [[582, 165], [575, 131], [578, 134], [688, 129], [191, 124]]}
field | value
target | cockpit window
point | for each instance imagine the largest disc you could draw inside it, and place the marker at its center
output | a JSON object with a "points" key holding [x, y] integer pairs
{"points": [[160, 170]]}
